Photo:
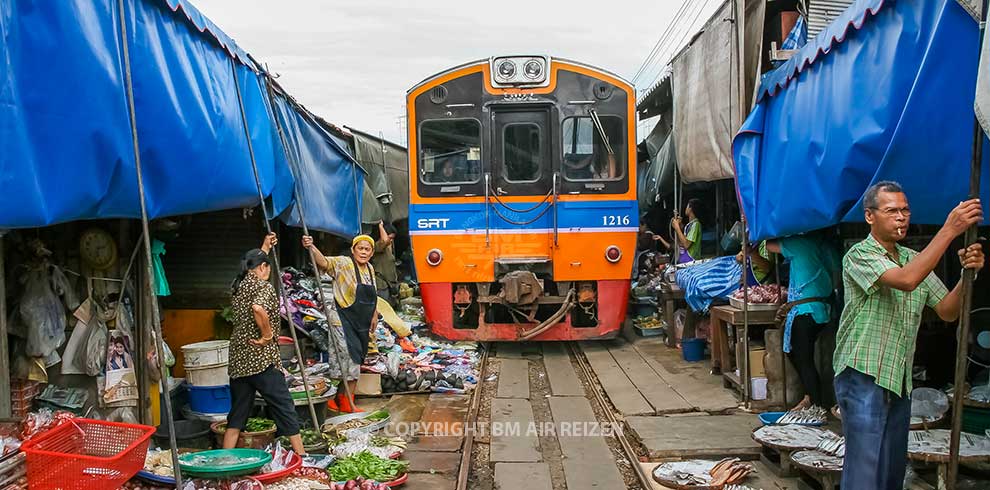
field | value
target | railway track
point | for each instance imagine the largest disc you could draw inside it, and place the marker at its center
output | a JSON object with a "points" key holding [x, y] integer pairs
{"points": [[558, 452]]}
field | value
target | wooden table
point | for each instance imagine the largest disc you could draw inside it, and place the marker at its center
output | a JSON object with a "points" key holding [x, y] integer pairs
{"points": [[668, 296], [729, 316]]}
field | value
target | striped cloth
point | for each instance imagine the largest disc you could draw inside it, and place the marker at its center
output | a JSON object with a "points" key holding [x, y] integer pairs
{"points": [[702, 283]]}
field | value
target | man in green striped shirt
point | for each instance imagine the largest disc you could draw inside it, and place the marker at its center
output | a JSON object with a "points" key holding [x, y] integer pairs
{"points": [[886, 288]]}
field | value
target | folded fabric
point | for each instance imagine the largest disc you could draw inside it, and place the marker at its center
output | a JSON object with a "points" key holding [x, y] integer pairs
{"points": [[703, 283]]}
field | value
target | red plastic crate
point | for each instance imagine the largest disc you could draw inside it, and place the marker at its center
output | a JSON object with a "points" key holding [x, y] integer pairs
{"points": [[86, 454]]}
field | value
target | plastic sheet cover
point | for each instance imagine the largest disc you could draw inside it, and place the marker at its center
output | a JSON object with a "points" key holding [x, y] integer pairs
{"points": [[329, 184], [703, 115], [886, 92], [66, 133], [390, 178]]}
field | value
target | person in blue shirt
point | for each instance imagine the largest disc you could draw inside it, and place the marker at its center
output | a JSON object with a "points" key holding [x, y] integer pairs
{"points": [[814, 264]]}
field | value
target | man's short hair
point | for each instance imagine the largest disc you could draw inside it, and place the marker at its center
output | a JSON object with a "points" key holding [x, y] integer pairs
{"points": [[870, 198]]}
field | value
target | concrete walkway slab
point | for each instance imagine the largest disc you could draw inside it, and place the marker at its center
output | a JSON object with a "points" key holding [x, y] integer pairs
{"points": [[652, 386], [620, 389], [508, 350], [531, 476], [513, 378], [712, 436], [693, 381], [432, 462], [443, 411], [515, 415], [588, 462], [563, 380]]}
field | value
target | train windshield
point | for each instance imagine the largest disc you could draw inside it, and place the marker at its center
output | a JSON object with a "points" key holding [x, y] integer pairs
{"points": [[523, 152], [450, 151], [593, 150]]}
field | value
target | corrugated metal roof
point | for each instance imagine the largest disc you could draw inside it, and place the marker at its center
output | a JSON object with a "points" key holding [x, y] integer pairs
{"points": [[821, 13]]}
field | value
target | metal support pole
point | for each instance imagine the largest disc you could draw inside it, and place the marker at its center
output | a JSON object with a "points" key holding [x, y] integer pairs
{"points": [[962, 340], [278, 268], [342, 361], [744, 365], [4, 348], [149, 272]]}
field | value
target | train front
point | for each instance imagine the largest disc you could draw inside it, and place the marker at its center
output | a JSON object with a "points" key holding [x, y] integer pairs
{"points": [[523, 212]]}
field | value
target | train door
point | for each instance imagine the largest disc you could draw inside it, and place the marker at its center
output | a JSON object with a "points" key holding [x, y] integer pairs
{"points": [[521, 182]]}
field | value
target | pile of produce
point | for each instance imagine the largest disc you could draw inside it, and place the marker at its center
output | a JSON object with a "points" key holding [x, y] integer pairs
{"points": [[159, 462], [245, 484], [647, 322], [338, 431], [367, 466], [381, 446], [768, 293], [310, 438], [359, 484]]}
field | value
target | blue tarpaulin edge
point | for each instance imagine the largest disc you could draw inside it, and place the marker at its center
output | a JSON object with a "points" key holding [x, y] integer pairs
{"points": [[890, 99], [65, 128]]}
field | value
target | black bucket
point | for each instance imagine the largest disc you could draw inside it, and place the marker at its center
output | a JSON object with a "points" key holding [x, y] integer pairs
{"points": [[189, 434]]}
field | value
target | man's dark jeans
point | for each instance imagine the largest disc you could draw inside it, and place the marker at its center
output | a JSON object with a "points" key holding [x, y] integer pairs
{"points": [[875, 423]]}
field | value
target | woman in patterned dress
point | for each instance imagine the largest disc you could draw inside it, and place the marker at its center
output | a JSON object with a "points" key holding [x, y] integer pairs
{"points": [[255, 366]]}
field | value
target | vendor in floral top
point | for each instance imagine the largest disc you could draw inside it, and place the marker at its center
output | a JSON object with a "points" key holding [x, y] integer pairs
{"points": [[255, 366]]}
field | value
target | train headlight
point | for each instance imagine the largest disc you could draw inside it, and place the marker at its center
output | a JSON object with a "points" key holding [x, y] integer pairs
{"points": [[519, 71], [506, 70], [613, 254], [434, 257], [533, 69]]}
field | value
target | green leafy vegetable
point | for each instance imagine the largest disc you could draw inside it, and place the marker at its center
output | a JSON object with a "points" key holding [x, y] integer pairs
{"points": [[258, 424], [367, 465], [378, 416]]}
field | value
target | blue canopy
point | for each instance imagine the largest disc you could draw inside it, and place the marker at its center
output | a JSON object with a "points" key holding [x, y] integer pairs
{"points": [[65, 126], [884, 93]]}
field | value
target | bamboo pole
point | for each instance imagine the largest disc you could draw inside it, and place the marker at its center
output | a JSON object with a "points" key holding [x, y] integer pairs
{"points": [[962, 340], [149, 271], [342, 360], [278, 268]]}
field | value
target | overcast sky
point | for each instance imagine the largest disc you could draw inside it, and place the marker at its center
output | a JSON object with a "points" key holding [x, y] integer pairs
{"points": [[352, 62]]}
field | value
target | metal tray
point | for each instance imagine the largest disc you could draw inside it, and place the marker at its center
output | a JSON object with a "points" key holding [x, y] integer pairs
{"points": [[738, 303], [352, 416]]}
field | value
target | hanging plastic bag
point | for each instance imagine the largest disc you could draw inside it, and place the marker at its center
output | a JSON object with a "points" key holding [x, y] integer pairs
{"points": [[62, 287], [43, 315], [96, 348]]}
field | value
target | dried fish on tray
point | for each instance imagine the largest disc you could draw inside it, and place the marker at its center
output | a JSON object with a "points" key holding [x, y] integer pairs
{"points": [[804, 416], [701, 474], [833, 445], [790, 437], [817, 462], [933, 446]]}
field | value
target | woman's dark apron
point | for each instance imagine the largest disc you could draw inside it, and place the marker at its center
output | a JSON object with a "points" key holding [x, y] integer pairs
{"points": [[356, 319]]}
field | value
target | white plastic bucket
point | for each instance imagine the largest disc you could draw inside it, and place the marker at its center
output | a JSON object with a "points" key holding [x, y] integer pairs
{"points": [[204, 354], [215, 375]]}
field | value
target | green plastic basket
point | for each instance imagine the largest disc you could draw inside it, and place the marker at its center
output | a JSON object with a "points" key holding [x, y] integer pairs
{"points": [[224, 463]]}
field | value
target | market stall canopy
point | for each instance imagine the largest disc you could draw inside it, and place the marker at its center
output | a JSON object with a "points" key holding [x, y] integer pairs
{"points": [[657, 178], [65, 126], [327, 179], [886, 92], [388, 177], [705, 106]]}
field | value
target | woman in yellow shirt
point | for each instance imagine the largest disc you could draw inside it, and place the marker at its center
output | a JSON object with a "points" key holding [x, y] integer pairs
{"points": [[356, 297]]}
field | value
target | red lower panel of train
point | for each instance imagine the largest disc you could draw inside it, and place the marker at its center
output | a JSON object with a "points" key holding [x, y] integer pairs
{"points": [[613, 299]]}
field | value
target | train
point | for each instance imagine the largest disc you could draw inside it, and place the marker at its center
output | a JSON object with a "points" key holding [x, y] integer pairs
{"points": [[523, 215]]}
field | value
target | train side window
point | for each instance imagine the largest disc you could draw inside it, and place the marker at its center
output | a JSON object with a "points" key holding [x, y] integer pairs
{"points": [[590, 155], [450, 151], [522, 152]]}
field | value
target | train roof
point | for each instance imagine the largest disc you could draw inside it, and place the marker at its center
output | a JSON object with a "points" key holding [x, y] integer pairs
{"points": [[485, 61]]}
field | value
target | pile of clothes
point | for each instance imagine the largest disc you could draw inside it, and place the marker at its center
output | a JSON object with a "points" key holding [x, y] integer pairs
{"points": [[421, 363], [304, 307]]}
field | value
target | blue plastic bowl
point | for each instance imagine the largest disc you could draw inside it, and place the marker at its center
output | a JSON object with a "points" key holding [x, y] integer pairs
{"points": [[769, 418]]}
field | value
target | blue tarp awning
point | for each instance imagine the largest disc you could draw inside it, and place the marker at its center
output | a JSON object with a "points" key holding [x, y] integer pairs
{"points": [[884, 93], [65, 127]]}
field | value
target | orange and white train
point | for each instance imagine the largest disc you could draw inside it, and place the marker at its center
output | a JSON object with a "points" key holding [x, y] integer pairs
{"points": [[523, 213]]}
